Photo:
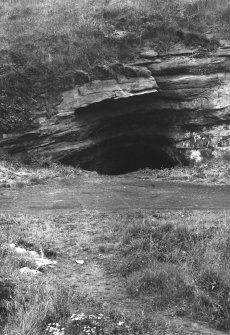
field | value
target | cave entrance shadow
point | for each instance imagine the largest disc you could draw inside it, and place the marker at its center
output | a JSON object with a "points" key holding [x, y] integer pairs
{"points": [[126, 155]]}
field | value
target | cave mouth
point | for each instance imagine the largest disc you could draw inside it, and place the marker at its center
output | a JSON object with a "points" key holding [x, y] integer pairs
{"points": [[121, 156]]}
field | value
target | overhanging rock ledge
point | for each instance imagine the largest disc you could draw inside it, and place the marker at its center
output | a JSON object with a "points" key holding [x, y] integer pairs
{"points": [[156, 114]]}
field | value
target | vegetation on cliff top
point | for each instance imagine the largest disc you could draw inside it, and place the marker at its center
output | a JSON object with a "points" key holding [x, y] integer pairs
{"points": [[45, 43]]}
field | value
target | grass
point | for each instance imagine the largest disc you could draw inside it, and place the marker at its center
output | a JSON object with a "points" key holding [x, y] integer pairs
{"points": [[29, 304], [214, 171], [173, 262], [49, 46], [34, 171], [181, 261]]}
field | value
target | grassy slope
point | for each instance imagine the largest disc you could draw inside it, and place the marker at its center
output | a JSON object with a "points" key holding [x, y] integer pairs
{"points": [[46, 298], [179, 261], [12, 175], [216, 171], [179, 255], [45, 42]]}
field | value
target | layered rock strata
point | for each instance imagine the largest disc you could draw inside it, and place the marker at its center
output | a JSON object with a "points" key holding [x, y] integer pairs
{"points": [[160, 111]]}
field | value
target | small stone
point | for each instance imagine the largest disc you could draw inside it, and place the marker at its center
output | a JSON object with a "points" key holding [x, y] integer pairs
{"points": [[33, 254], [149, 54], [20, 251], [80, 261]]}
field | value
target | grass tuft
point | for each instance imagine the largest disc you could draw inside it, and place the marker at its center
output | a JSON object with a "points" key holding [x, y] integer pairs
{"points": [[33, 171], [180, 265]]}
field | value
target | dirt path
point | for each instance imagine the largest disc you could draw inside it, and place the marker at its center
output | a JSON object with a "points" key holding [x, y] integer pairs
{"points": [[93, 276], [99, 197], [113, 194]]}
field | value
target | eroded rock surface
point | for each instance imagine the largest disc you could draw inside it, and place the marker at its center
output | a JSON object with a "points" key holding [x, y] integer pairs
{"points": [[155, 112]]}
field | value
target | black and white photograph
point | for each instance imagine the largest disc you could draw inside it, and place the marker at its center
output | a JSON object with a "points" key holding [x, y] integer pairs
{"points": [[114, 167]]}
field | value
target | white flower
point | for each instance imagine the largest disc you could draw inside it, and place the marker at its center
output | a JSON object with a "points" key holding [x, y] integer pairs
{"points": [[196, 156]]}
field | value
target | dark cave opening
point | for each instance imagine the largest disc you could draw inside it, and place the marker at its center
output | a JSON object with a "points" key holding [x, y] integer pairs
{"points": [[124, 155]]}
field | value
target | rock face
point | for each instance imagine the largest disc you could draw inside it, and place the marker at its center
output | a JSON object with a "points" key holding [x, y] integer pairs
{"points": [[157, 112]]}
